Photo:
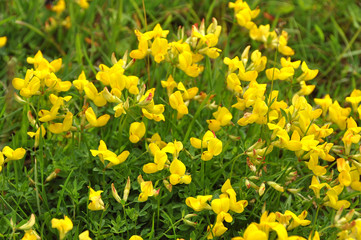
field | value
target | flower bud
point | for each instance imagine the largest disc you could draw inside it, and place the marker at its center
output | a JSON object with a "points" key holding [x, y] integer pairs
{"points": [[115, 194], [110, 97], [29, 224], [190, 223], [126, 190], [140, 179], [276, 186], [261, 189], [113, 58], [19, 99], [31, 119], [53, 175], [167, 185], [294, 190]]}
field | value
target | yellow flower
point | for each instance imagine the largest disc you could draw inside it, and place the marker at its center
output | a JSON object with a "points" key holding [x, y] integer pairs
{"points": [[104, 154], [197, 143], [159, 49], [30, 235], [312, 164], [12, 155], [344, 169], [234, 205], [37, 134], [234, 84], [84, 235], [286, 62], [63, 226], [62, 127], [135, 237], [233, 64], [59, 7], [339, 114], [147, 190], [199, 203], [177, 103], [178, 176], [216, 230], [1, 161], [220, 204], [332, 197], [187, 94], [3, 41], [258, 115], [223, 118], [94, 121], [170, 84], [297, 220], [316, 186], [187, 65], [214, 148], [142, 50], [28, 86], [83, 4], [281, 74], [305, 89], [81, 82], [160, 158], [307, 74], [96, 200], [92, 93], [174, 148], [136, 131]]}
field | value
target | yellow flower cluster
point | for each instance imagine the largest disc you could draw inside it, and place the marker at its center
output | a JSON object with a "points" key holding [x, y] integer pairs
{"points": [[184, 54], [244, 15]]}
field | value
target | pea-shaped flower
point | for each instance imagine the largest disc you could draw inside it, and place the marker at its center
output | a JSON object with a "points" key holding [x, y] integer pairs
{"points": [[11, 154], [63, 226], [136, 131], [96, 200]]}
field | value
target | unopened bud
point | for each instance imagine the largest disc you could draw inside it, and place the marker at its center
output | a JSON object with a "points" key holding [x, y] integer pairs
{"points": [[141, 92], [190, 215], [110, 97], [248, 185], [180, 32], [31, 119], [190, 223], [29, 224], [167, 185], [350, 214], [276, 186], [294, 190], [338, 214], [126, 190], [140, 179], [19, 99], [146, 101], [113, 58], [244, 56], [261, 189], [234, 138], [115, 194], [53, 175], [156, 192], [256, 145], [252, 184]]}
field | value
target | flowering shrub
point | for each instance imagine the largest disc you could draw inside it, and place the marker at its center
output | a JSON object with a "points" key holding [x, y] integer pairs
{"points": [[203, 144]]}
